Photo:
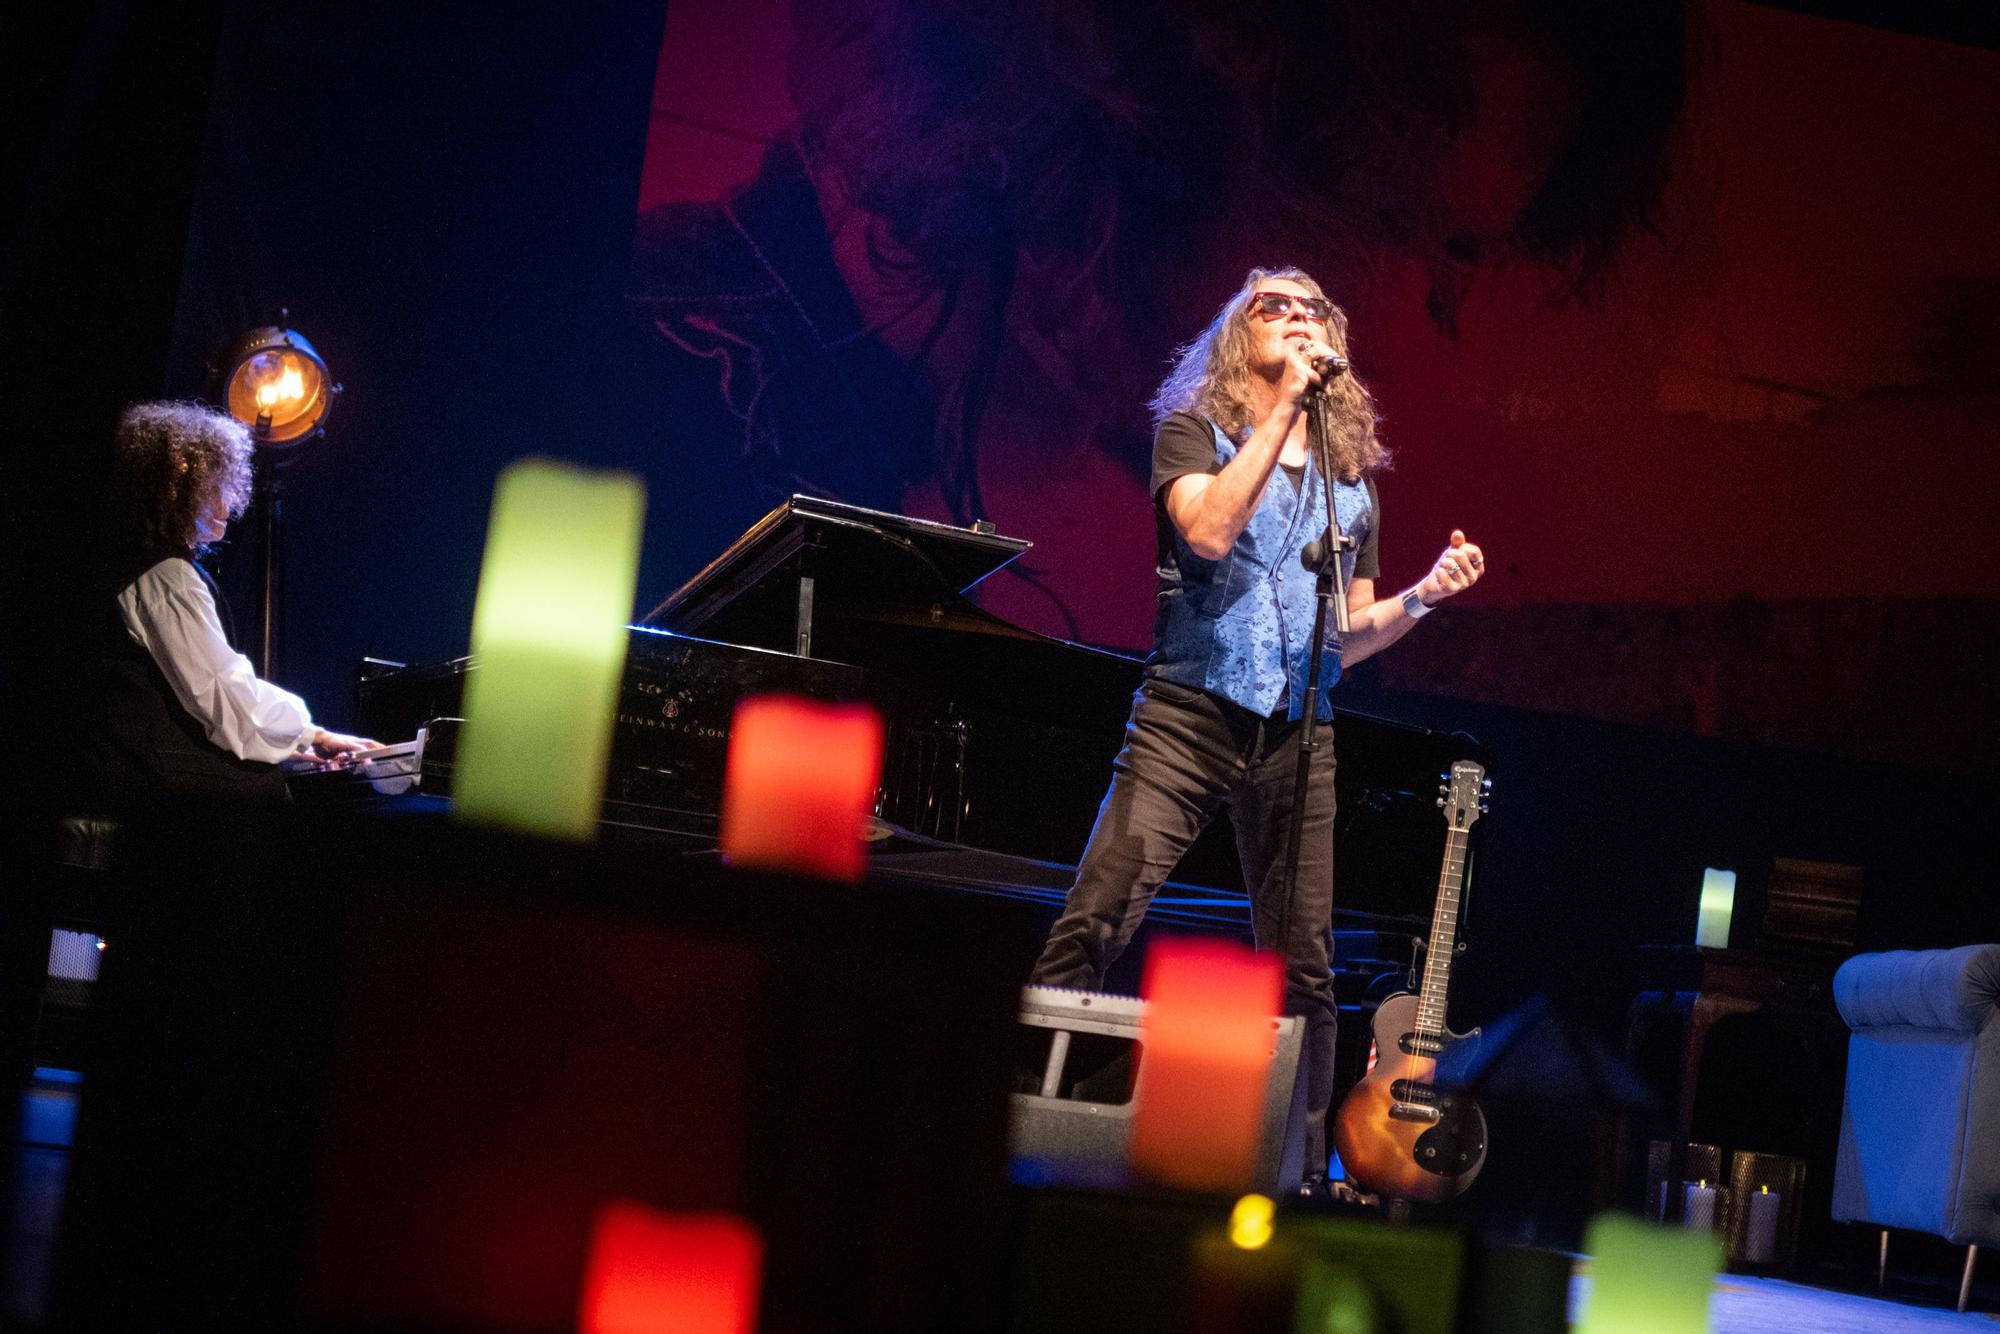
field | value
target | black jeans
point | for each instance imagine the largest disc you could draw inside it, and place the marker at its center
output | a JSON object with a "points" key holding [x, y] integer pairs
{"points": [[1188, 755]]}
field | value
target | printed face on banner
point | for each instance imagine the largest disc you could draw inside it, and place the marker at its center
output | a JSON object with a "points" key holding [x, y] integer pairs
{"points": [[928, 260]]}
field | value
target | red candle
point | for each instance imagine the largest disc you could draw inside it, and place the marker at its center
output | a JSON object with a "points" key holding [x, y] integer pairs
{"points": [[648, 1271], [799, 785]]}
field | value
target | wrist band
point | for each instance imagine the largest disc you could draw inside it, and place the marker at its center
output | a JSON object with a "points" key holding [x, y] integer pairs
{"points": [[1413, 606]]}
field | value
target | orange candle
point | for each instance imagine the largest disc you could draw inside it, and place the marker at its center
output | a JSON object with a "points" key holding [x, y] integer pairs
{"points": [[1206, 1040]]}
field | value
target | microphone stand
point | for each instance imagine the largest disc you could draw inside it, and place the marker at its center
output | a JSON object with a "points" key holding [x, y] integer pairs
{"points": [[1331, 591]]}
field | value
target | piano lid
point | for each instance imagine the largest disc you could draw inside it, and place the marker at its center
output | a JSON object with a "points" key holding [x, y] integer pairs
{"points": [[854, 557]]}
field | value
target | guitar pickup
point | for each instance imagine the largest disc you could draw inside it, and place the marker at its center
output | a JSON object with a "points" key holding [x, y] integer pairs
{"points": [[1411, 1111]]}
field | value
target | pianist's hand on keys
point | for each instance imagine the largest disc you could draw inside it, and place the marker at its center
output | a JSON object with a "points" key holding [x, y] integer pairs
{"points": [[337, 748]]}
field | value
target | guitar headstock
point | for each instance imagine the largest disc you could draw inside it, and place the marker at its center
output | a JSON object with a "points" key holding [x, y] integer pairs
{"points": [[1462, 793]]}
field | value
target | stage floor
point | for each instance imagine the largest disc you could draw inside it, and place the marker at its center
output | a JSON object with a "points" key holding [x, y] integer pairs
{"points": [[1745, 1305]]}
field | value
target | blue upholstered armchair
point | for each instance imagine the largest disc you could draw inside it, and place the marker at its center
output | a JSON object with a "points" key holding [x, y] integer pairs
{"points": [[1920, 1128]]}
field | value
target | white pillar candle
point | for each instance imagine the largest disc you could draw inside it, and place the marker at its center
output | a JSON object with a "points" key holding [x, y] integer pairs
{"points": [[1699, 1210], [1760, 1232]]}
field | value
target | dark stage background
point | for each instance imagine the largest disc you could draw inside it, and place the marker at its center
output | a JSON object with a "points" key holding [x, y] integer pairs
{"points": [[1704, 352]]}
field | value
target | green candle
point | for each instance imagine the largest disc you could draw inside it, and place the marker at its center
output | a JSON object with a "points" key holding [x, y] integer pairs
{"points": [[1718, 901], [1335, 1299], [548, 634], [1234, 1290], [1646, 1279]]}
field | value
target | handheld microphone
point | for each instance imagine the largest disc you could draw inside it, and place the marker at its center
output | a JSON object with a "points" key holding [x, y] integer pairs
{"points": [[1331, 366]]}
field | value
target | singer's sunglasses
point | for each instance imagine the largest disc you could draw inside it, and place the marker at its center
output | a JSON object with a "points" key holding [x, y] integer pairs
{"points": [[1275, 305]]}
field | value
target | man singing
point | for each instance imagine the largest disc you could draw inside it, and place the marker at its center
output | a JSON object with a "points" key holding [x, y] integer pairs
{"points": [[1217, 720]]}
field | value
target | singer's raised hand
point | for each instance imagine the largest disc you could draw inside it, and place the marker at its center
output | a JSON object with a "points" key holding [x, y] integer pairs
{"points": [[1458, 567]]}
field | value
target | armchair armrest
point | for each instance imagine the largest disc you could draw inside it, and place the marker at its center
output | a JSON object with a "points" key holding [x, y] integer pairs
{"points": [[1953, 991]]}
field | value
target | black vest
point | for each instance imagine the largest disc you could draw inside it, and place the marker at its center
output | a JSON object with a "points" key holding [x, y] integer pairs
{"points": [[136, 741]]}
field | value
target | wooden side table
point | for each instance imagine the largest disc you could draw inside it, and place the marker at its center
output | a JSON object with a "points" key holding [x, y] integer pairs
{"points": [[1702, 986]]}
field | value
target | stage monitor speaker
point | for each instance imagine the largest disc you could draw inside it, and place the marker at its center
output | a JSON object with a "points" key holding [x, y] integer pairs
{"points": [[1080, 1053]]}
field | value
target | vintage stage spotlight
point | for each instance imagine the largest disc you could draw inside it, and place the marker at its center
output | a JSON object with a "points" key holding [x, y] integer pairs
{"points": [[273, 381]]}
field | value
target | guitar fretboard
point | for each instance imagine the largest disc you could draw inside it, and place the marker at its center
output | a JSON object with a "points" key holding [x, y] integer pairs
{"points": [[1461, 811]]}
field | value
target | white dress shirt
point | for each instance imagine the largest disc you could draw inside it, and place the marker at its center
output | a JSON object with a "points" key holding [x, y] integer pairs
{"points": [[168, 611]]}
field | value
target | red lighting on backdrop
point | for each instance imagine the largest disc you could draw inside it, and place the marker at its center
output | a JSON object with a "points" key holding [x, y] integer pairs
{"points": [[1207, 1041], [799, 785], [650, 1272]]}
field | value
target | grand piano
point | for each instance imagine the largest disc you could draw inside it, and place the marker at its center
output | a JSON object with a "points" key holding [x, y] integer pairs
{"points": [[999, 740]]}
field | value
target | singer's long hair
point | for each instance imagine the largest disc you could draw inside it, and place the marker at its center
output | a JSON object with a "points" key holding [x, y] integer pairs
{"points": [[1212, 378]]}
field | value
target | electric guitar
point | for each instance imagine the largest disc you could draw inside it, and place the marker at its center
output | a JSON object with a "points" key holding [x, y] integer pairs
{"points": [[1399, 1134]]}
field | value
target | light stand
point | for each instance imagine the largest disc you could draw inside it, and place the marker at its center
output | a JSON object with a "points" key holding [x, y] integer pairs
{"points": [[267, 494], [274, 382]]}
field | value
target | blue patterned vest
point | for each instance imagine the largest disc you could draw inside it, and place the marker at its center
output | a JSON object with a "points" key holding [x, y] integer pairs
{"points": [[1241, 627]]}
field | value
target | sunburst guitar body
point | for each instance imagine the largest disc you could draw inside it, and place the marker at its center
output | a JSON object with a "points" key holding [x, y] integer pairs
{"points": [[1398, 1133]]}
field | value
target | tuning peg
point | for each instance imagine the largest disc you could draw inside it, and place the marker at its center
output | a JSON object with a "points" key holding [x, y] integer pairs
{"points": [[1440, 802], [1484, 808], [1485, 785]]}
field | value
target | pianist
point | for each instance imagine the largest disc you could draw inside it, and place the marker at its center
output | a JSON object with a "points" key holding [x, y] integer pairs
{"points": [[173, 707], [1217, 719]]}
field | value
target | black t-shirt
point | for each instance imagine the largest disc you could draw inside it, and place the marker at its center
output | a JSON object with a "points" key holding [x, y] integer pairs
{"points": [[1185, 444]]}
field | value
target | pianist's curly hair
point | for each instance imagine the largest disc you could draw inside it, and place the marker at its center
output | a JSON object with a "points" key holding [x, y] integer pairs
{"points": [[168, 457], [1211, 378]]}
